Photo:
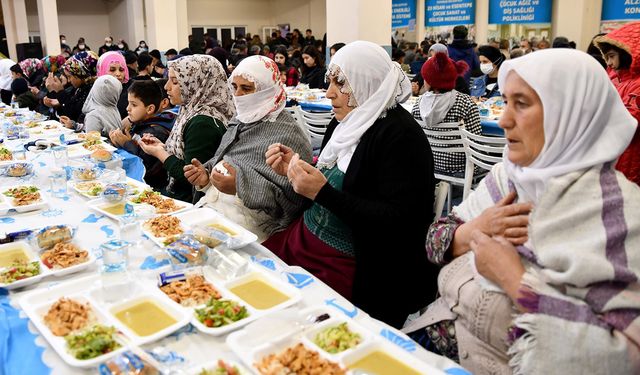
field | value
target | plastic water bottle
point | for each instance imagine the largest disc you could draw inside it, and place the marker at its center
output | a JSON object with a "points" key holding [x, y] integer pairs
{"points": [[115, 256], [113, 273]]}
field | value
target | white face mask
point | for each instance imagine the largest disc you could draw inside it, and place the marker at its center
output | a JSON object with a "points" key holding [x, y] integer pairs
{"points": [[486, 68], [121, 46], [63, 41], [108, 44], [81, 46]]}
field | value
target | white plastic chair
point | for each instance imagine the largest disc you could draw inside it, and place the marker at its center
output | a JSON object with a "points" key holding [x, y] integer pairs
{"points": [[481, 151], [314, 123], [446, 146], [439, 198]]}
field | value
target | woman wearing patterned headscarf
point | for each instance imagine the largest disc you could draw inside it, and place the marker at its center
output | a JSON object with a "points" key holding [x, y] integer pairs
{"points": [[33, 71], [80, 70], [371, 194], [247, 190], [51, 64], [199, 85]]}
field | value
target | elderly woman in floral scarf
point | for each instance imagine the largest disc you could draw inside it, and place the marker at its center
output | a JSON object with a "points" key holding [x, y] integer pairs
{"points": [[238, 182], [199, 85], [80, 70]]}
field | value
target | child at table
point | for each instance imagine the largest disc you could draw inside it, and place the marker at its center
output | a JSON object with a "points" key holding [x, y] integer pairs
{"points": [[147, 114]]}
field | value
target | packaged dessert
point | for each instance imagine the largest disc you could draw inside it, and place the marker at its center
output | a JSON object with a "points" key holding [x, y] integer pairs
{"points": [[114, 192], [128, 363], [48, 237], [186, 251]]}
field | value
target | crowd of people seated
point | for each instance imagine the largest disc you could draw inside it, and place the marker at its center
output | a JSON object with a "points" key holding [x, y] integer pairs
{"points": [[534, 271]]}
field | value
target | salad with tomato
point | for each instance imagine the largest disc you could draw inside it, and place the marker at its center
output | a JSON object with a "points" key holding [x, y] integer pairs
{"points": [[18, 271], [218, 313]]}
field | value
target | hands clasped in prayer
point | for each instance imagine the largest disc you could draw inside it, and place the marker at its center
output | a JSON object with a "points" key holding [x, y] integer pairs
{"points": [[305, 178], [197, 175]]}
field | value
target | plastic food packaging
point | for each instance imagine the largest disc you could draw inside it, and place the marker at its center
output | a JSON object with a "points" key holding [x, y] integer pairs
{"points": [[228, 264], [209, 236], [186, 251], [128, 363], [114, 192], [48, 237]]}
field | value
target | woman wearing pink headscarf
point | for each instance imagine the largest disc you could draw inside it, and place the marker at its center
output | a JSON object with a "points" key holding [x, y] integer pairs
{"points": [[113, 63]]}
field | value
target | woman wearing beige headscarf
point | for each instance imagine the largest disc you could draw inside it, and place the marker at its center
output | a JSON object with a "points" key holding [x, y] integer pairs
{"points": [[199, 85]]}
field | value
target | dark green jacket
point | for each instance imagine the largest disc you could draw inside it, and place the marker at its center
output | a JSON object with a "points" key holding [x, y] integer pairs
{"points": [[201, 135]]}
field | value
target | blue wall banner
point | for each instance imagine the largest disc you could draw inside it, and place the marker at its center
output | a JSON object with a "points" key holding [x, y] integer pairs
{"points": [[449, 12], [403, 13], [620, 10], [519, 11]]}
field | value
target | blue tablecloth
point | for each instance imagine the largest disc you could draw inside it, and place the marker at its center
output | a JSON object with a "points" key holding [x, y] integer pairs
{"points": [[15, 338], [490, 127]]}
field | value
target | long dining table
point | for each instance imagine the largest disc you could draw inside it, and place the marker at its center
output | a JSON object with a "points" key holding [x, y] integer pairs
{"points": [[25, 350]]}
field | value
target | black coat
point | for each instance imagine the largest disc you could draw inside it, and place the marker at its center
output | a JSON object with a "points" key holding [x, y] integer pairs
{"points": [[387, 201], [72, 101], [159, 126], [314, 77]]}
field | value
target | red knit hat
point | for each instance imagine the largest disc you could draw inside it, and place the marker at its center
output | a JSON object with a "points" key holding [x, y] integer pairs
{"points": [[440, 72]]}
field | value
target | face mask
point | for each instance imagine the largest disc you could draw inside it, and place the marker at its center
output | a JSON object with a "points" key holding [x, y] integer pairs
{"points": [[486, 68], [121, 46], [81, 46], [107, 44], [63, 41], [143, 45]]}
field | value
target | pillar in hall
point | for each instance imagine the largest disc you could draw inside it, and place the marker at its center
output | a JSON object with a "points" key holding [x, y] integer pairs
{"points": [[49, 28], [352, 20], [135, 20], [421, 29], [15, 23], [482, 22], [167, 23], [578, 20]]}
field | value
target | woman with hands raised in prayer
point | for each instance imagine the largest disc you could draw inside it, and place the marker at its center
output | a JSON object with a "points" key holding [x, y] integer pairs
{"points": [[198, 84], [236, 180], [370, 195]]}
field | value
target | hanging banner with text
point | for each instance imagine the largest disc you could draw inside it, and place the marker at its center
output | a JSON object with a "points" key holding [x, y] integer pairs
{"points": [[449, 12], [519, 11], [403, 14], [620, 10]]}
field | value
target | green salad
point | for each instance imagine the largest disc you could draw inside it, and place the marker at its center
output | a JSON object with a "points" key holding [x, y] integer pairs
{"points": [[21, 190], [92, 342], [95, 191], [222, 369], [19, 271], [140, 198], [337, 339], [218, 313]]}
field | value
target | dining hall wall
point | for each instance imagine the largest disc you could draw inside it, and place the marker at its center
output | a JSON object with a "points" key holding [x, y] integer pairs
{"points": [[256, 14], [77, 18]]}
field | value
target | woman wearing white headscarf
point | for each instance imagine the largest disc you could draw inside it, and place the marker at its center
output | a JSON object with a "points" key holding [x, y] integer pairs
{"points": [[5, 80], [101, 107], [249, 192], [199, 85], [372, 192], [548, 284]]}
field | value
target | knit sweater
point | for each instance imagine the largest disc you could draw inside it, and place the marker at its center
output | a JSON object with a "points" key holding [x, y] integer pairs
{"points": [[257, 185]]}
